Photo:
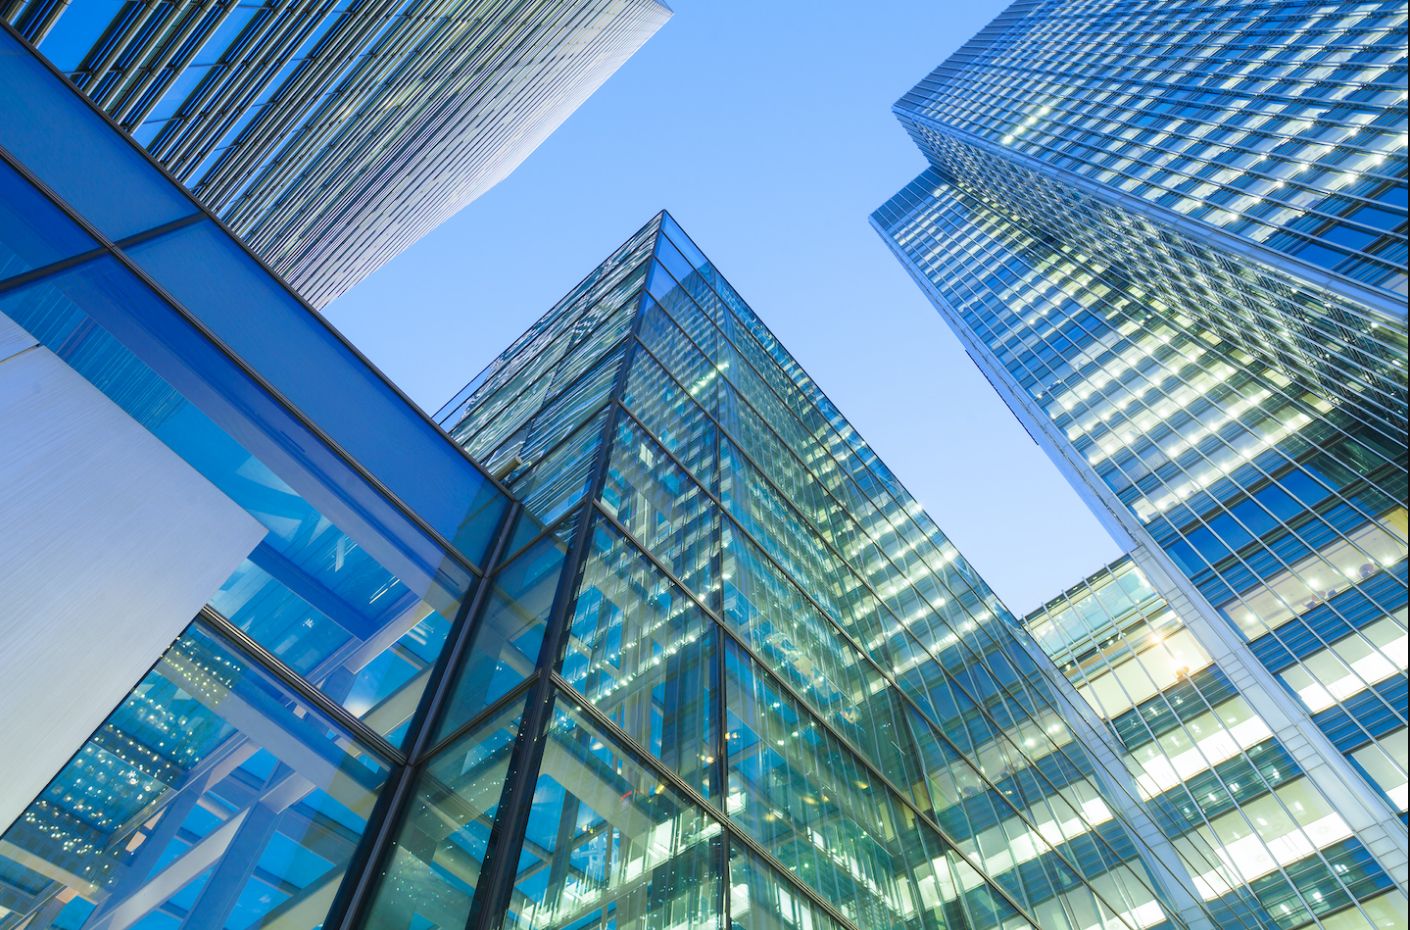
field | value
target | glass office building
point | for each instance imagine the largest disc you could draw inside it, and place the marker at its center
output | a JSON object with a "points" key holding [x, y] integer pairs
{"points": [[1168, 241], [1249, 162], [332, 135], [1205, 762], [764, 691], [696, 661]]}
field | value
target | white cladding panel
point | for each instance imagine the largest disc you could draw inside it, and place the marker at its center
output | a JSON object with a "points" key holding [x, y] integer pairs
{"points": [[109, 545]]}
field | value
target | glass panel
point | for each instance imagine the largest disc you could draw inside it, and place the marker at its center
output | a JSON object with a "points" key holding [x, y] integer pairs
{"points": [[33, 232], [300, 355], [558, 481], [801, 647], [434, 866], [643, 653], [798, 792], [663, 509], [609, 844], [210, 792], [327, 603], [673, 418], [55, 133], [762, 899], [508, 633]]}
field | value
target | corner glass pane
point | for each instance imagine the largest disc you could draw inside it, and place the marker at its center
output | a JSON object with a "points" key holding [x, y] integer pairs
{"points": [[505, 642], [655, 399], [210, 795], [644, 654], [431, 874], [610, 844]]}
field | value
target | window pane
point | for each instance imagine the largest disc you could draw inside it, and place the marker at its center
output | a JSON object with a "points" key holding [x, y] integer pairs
{"points": [[761, 899], [610, 844], [211, 792], [509, 632], [643, 653], [434, 866], [663, 509], [800, 793]]}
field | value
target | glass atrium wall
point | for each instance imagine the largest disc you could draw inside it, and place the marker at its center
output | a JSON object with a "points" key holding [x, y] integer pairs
{"points": [[233, 786], [332, 135], [765, 688]]}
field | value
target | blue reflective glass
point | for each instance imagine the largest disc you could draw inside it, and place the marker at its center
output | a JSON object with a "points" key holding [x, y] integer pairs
{"points": [[55, 133], [304, 360], [350, 611], [210, 792], [505, 643], [33, 232]]}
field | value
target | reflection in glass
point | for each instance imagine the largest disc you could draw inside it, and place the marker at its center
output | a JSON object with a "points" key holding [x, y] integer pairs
{"points": [[434, 866], [209, 795], [761, 899], [505, 644], [644, 654], [664, 510], [609, 844]]}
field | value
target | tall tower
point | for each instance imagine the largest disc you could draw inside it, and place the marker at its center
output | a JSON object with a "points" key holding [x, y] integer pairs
{"points": [[331, 136], [1172, 235], [761, 682]]}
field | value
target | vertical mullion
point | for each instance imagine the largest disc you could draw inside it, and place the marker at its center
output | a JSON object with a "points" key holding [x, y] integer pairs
{"points": [[355, 891], [507, 835], [721, 643]]}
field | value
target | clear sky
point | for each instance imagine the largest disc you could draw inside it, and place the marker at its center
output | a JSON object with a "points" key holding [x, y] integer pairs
{"points": [[764, 126]]}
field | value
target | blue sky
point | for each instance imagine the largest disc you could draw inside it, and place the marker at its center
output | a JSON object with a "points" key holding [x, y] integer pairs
{"points": [[764, 126]]}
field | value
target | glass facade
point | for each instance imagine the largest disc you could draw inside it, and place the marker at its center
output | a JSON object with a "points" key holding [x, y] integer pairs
{"points": [[694, 659], [233, 785], [768, 692], [1143, 237], [332, 135], [1248, 164], [1205, 761]]}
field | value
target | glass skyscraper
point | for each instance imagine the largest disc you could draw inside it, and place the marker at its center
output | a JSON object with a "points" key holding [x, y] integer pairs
{"points": [[1172, 236], [332, 135], [766, 689], [1206, 763], [686, 655]]}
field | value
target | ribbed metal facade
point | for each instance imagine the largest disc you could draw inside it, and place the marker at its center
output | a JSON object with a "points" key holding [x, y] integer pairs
{"points": [[332, 134]]}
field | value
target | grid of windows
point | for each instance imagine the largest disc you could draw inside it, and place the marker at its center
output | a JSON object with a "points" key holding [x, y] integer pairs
{"points": [[1286, 514], [766, 627], [1203, 757], [1285, 125], [1139, 219], [332, 135]]}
